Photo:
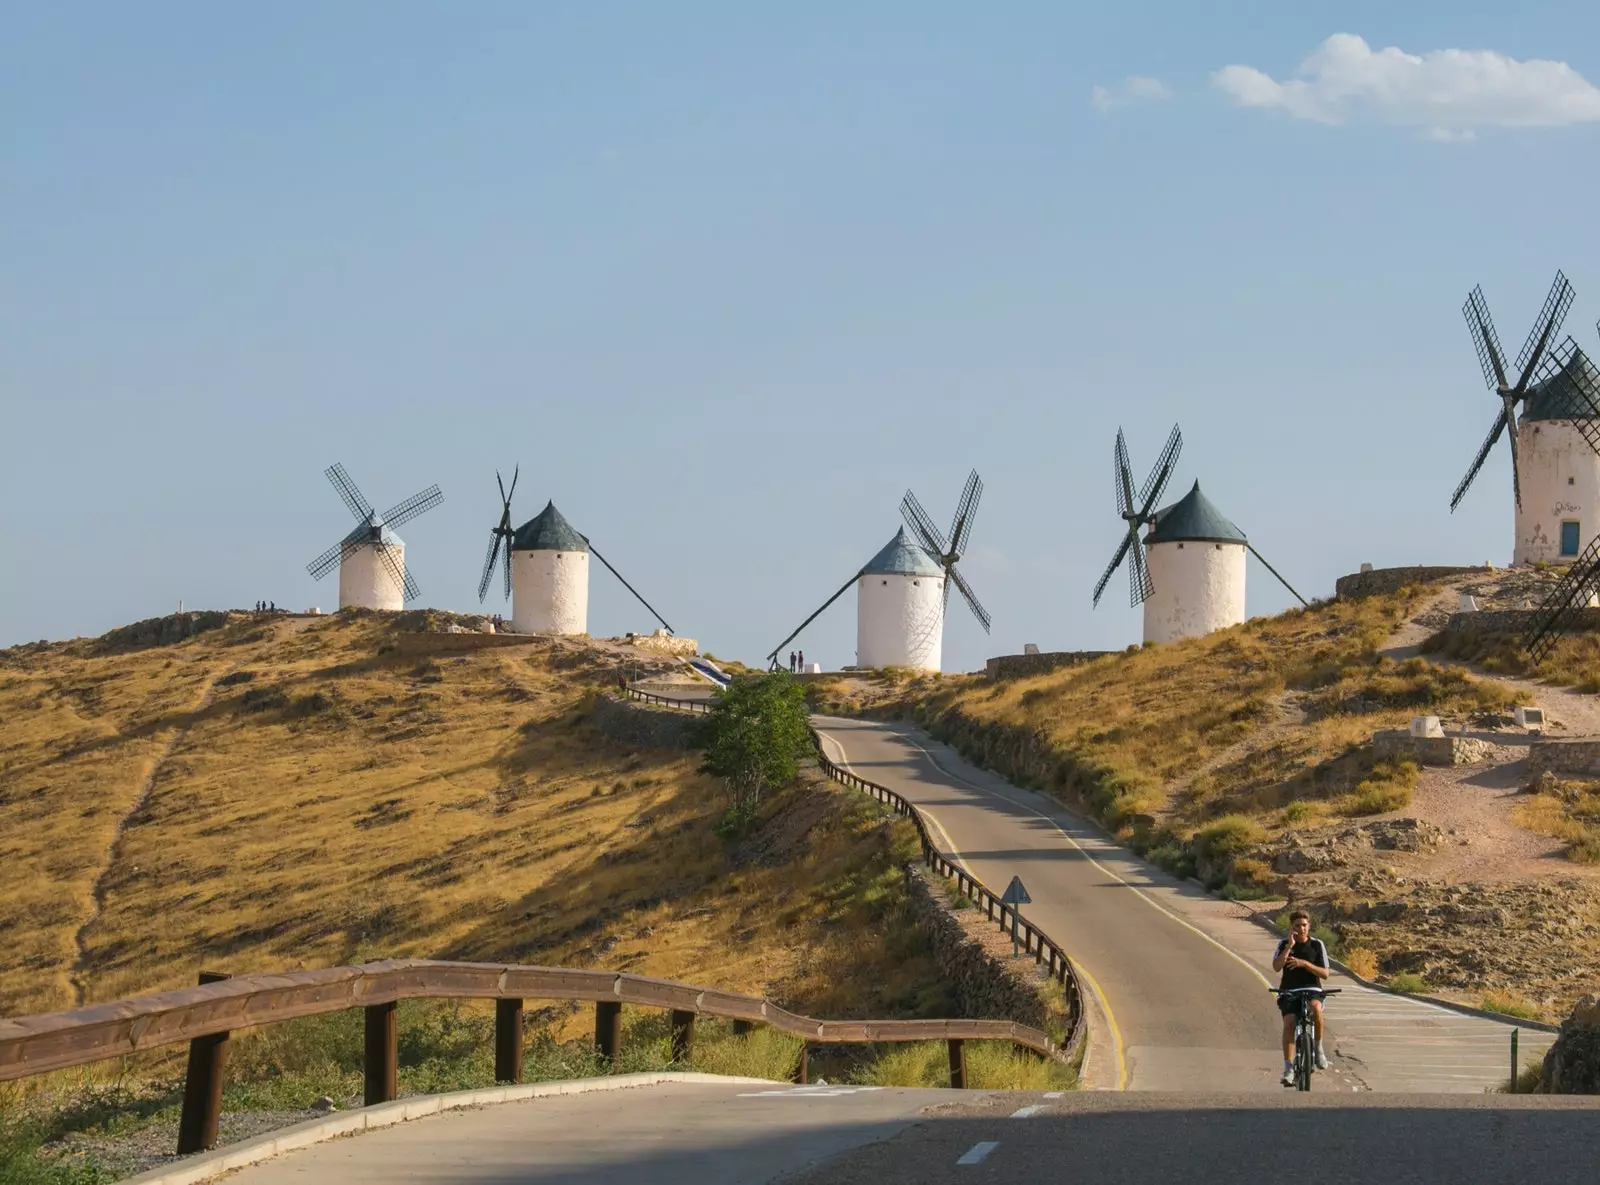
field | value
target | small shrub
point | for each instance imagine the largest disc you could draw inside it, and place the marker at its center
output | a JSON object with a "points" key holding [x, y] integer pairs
{"points": [[1507, 1004], [1407, 981], [1297, 811], [1173, 858], [1388, 788], [1585, 849], [1227, 836], [1361, 961]]}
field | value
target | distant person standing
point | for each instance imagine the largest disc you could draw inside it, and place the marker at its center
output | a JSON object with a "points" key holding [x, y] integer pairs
{"points": [[802, 661], [792, 667]]}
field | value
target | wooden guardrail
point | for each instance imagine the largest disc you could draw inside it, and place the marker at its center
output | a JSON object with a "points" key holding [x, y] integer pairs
{"points": [[685, 705], [206, 1015], [1033, 940]]}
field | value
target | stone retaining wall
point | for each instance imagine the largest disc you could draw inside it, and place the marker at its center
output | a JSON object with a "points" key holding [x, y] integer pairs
{"points": [[1517, 621], [1018, 666], [1563, 756], [984, 985], [1397, 745], [664, 644], [441, 642], [644, 725], [1385, 580]]}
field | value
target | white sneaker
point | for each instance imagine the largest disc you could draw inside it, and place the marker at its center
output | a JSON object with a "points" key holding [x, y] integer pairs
{"points": [[1288, 1076], [1322, 1059]]}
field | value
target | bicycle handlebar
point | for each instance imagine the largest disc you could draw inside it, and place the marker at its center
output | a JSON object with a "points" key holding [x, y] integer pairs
{"points": [[1294, 991]]}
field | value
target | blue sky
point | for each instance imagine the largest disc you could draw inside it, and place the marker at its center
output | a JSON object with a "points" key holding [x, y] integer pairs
{"points": [[725, 283]]}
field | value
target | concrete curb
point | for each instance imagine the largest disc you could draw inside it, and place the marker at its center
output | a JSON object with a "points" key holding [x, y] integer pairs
{"points": [[209, 1165]]}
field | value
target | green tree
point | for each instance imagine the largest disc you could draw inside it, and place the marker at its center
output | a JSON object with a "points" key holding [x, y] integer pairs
{"points": [[754, 738]]}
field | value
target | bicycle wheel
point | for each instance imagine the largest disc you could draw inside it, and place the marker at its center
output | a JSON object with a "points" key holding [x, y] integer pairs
{"points": [[1304, 1052]]}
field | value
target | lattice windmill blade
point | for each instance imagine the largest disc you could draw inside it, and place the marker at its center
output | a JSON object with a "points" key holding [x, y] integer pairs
{"points": [[1159, 476], [507, 566], [921, 524], [327, 561], [1140, 586], [1485, 340], [488, 565], [353, 498], [1483, 453], [418, 503], [1570, 594], [970, 597], [1123, 476], [401, 576], [1100, 586], [966, 511], [1544, 329]]}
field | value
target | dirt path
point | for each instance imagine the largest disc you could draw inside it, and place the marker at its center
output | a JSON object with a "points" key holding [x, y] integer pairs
{"points": [[97, 893]]}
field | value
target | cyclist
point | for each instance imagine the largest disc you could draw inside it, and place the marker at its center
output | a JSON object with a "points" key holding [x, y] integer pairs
{"points": [[1304, 963]]}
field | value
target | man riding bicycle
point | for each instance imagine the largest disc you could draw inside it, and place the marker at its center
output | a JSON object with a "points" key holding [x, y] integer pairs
{"points": [[1304, 963]]}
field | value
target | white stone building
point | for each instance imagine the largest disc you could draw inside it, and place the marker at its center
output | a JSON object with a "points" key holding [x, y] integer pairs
{"points": [[900, 608], [1196, 559], [549, 576], [1559, 472], [366, 578]]}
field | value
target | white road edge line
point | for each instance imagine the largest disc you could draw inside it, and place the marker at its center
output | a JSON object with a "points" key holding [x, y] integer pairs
{"points": [[1027, 1112], [979, 1152]]}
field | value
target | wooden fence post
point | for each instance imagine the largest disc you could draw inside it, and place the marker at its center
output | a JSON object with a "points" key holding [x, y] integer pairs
{"points": [[608, 1028], [382, 1061], [202, 1086], [682, 1036], [958, 1064], [508, 1040]]}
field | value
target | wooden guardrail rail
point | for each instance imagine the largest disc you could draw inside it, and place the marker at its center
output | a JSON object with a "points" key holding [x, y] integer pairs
{"points": [[1034, 940], [205, 1015]]}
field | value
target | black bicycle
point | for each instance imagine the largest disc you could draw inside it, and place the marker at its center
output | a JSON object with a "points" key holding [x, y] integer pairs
{"points": [[1305, 1031]]}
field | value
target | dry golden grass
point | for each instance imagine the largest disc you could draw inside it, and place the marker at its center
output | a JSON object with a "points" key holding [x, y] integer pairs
{"points": [[1573, 817], [345, 803], [1248, 720], [1574, 660]]}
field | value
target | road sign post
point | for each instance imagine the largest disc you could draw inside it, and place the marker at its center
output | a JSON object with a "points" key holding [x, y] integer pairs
{"points": [[1015, 896]]}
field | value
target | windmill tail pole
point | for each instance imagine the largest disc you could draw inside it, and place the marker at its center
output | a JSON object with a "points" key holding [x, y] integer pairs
{"points": [[1276, 573], [773, 657], [628, 586]]}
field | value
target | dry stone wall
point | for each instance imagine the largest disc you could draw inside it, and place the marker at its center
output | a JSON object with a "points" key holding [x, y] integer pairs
{"points": [[1386, 580], [1516, 621], [985, 987], [1391, 746], [1562, 756], [639, 724], [1019, 666]]}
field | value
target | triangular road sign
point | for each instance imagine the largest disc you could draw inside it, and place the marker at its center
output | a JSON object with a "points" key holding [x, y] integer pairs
{"points": [[1015, 894]]}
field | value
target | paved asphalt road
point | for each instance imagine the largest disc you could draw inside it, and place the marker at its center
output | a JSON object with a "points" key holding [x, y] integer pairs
{"points": [[681, 1134], [1182, 975]]}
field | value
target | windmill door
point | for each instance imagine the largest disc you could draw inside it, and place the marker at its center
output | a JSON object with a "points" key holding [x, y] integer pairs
{"points": [[1569, 538]]}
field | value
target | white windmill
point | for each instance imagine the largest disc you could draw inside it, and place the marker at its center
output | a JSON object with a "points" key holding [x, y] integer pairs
{"points": [[903, 591], [1554, 443], [546, 570], [372, 559], [1189, 570]]}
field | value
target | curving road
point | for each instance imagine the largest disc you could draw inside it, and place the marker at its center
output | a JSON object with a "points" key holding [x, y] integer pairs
{"points": [[1180, 976]]}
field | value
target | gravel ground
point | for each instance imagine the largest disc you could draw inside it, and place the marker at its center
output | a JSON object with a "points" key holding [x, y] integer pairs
{"points": [[151, 1145]]}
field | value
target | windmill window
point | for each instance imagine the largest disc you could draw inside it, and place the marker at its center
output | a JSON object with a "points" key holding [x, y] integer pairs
{"points": [[1569, 538], [885, 582], [1180, 547], [1218, 546], [1571, 481]]}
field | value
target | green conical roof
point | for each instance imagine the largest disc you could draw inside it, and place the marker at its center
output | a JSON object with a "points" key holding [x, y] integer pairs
{"points": [[548, 531], [902, 557], [1569, 394], [1193, 517]]}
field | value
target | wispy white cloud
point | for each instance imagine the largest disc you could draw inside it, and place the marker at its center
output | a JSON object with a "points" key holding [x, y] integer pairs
{"points": [[1448, 91], [1133, 89]]}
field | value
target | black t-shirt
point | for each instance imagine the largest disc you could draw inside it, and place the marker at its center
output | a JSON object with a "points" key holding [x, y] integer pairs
{"points": [[1312, 951]]}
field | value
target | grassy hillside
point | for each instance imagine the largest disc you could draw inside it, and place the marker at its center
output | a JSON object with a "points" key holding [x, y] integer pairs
{"points": [[1265, 719], [299, 794]]}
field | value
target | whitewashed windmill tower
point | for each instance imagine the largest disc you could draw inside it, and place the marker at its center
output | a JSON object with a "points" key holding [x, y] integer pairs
{"points": [[1555, 442], [1188, 571], [900, 608], [372, 559], [546, 570], [903, 591]]}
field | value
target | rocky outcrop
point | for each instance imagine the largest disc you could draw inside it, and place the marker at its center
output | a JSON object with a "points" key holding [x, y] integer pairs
{"points": [[642, 725], [1572, 1064], [162, 631], [985, 984]]}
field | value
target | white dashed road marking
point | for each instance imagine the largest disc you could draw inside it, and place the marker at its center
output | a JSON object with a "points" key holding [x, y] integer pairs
{"points": [[979, 1152]]}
